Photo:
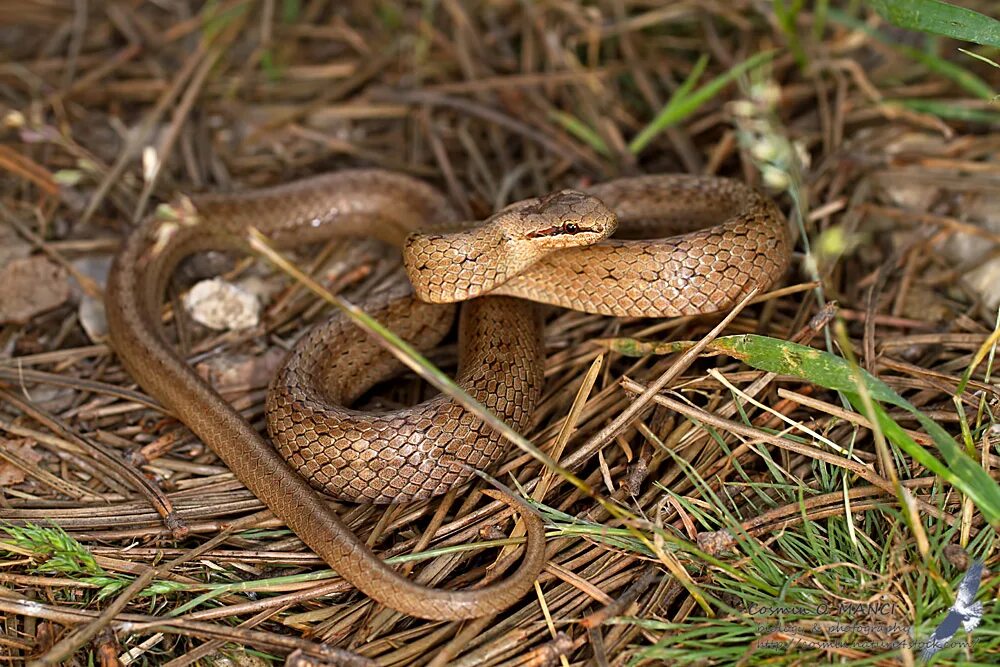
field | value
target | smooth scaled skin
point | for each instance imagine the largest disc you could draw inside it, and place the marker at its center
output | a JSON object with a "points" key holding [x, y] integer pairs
{"points": [[708, 241]]}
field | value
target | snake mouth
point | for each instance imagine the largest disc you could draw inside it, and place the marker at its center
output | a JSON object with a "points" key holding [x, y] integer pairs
{"points": [[568, 229]]}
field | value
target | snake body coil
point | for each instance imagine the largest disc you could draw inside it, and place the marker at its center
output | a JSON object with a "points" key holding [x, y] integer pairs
{"points": [[549, 250]]}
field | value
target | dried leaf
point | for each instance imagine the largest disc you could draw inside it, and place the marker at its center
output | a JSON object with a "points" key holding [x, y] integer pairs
{"points": [[31, 285]]}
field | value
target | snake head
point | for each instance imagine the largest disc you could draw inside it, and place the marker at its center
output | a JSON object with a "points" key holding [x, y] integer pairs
{"points": [[564, 219]]}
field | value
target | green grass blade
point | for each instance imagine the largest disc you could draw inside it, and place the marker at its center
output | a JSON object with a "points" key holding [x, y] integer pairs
{"points": [[788, 18], [683, 103], [668, 114], [962, 77], [950, 110], [581, 131], [940, 18], [833, 372], [291, 10]]}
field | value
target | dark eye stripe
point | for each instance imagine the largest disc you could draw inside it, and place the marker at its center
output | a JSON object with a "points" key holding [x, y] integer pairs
{"points": [[568, 228]]}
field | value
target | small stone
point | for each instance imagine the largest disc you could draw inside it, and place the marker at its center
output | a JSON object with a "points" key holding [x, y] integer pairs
{"points": [[12, 246], [715, 542], [93, 318], [220, 305], [957, 556], [91, 310], [239, 371]]}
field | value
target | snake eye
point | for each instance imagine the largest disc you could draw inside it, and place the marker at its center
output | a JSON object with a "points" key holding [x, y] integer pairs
{"points": [[572, 227]]}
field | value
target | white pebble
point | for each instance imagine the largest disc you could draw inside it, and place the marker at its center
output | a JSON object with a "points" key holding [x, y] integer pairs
{"points": [[220, 305]]}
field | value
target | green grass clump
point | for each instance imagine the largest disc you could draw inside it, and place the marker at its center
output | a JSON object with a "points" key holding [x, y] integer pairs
{"points": [[57, 552]]}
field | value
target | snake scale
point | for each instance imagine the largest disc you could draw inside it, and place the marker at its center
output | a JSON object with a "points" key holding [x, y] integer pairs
{"points": [[697, 245]]}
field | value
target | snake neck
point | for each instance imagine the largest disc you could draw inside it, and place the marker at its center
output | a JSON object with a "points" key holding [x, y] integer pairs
{"points": [[445, 268]]}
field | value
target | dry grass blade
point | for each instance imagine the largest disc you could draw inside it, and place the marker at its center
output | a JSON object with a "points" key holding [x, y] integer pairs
{"points": [[704, 501]]}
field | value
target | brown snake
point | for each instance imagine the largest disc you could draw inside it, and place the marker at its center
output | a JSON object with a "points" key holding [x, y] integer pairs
{"points": [[532, 250]]}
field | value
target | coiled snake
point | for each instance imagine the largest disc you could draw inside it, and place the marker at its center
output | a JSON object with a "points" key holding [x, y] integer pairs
{"points": [[728, 240]]}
